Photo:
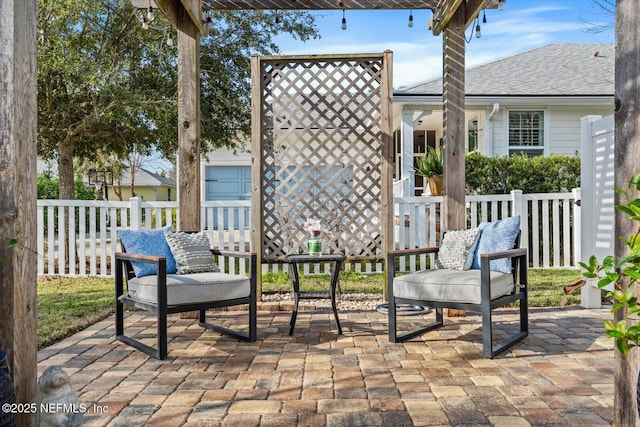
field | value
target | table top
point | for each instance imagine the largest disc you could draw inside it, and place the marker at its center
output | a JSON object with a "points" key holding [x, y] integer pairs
{"points": [[314, 258]]}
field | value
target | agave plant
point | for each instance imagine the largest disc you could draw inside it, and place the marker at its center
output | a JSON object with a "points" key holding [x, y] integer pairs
{"points": [[430, 163]]}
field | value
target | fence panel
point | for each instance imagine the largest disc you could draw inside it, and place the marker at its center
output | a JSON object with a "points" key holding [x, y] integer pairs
{"points": [[78, 237]]}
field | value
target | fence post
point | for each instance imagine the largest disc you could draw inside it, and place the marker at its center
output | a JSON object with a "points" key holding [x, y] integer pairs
{"points": [[518, 207], [577, 226], [135, 209]]}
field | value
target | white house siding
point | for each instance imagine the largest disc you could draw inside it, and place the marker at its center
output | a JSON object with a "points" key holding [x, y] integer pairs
{"points": [[562, 127], [565, 127]]}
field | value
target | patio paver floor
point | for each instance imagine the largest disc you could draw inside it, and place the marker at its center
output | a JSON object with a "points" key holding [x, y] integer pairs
{"points": [[562, 374]]}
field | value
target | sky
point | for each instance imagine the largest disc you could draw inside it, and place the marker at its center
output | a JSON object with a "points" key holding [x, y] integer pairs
{"points": [[417, 54]]}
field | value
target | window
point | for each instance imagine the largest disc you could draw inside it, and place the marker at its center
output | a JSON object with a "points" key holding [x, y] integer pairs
{"points": [[526, 133]]}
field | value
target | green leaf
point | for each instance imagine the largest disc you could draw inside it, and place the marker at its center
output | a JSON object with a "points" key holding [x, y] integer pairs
{"points": [[13, 242], [623, 347]]}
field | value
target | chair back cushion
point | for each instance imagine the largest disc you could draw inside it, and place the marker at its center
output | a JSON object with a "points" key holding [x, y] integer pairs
{"points": [[147, 242], [192, 252], [457, 249], [497, 236]]}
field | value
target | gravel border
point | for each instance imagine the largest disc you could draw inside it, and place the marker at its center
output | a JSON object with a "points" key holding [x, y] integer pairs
{"points": [[345, 301]]}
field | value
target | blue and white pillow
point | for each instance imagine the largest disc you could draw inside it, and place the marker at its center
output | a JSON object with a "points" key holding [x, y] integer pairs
{"points": [[497, 236], [148, 242]]}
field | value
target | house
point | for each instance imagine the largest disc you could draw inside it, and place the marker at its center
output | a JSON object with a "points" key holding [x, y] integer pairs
{"points": [[529, 103], [149, 186]]}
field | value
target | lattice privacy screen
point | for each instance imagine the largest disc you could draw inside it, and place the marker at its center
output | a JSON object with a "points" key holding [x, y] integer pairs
{"points": [[321, 146]]}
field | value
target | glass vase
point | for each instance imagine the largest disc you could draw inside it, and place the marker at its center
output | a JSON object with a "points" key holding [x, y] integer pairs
{"points": [[314, 245]]}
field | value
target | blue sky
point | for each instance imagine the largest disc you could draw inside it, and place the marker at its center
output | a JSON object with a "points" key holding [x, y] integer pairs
{"points": [[417, 54]]}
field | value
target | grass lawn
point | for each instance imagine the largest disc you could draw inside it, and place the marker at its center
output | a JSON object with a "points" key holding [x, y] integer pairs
{"points": [[68, 305]]}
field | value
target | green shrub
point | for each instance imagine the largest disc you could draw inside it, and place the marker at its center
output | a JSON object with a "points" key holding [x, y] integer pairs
{"points": [[49, 188], [501, 175]]}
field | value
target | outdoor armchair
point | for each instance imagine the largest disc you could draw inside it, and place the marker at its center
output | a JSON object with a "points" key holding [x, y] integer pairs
{"points": [[481, 289], [198, 288]]}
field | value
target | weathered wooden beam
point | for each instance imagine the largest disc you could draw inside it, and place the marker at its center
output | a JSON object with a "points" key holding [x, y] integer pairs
{"points": [[626, 165], [443, 14], [188, 125], [454, 122], [257, 215], [322, 4], [471, 8], [177, 10], [194, 10], [18, 195]]}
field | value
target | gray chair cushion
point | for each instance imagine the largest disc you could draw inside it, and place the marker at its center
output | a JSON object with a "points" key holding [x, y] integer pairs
{"points": [[191, 288], [450, 285]]}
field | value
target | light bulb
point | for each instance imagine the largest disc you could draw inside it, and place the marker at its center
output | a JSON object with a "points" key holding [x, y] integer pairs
{"points": [[145, 26], [501, 4], [478, 33], [344, 21], [169, 41], [150, 15], [410, 20], [484, 17]]}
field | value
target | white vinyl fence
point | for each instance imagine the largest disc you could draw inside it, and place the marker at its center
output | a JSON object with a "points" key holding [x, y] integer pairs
{"points": [[77, 238], [550, 224]]}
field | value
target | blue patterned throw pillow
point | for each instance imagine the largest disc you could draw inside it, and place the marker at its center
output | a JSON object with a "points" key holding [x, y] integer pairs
{"points": [[497, 236], [148, 242]]}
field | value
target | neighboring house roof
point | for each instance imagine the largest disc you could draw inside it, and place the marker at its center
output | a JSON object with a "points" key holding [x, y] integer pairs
{"points": [[145, 178], [555, 69]]}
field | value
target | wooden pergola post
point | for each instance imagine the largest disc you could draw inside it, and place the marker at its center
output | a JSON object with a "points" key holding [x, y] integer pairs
{"points": [[453, 96], [186, 17], [18, 117], [626, 165]]}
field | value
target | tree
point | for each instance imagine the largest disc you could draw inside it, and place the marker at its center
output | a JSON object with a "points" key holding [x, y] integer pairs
{"points": [[107, 86]]}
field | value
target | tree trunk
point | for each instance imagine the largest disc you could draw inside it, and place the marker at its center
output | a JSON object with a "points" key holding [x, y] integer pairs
{"points": [[66, 148], [626, 165]]}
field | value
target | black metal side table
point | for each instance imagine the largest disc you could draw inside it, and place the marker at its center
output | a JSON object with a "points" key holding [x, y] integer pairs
{"points": [[294, 260]]}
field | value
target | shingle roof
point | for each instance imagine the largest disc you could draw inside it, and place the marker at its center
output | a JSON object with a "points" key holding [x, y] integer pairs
{"points": [[146, 178], [555, 69]]}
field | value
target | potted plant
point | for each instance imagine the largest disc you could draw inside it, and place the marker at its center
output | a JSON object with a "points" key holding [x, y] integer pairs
{"points": [[431, 167], [623, 274]]}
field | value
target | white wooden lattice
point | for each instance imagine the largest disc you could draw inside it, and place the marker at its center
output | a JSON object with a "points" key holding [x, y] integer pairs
{"points": [[321, 153]]}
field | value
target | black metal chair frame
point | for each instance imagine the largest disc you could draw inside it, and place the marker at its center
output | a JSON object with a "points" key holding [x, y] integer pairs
{"points": [[162, 308], [519, 266]]}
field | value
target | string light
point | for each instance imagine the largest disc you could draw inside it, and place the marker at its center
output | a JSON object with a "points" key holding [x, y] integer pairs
{"points": [[478, 33], [169, 40], [411, 19], [501, 4], [484, 17], [150, 15], [277, 17], [344, 21]]}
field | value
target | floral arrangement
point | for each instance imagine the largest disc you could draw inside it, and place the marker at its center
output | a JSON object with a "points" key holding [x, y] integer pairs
{"points": [[314, 227]]}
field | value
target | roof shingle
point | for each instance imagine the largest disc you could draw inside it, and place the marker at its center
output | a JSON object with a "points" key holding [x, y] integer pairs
{"points": [[555, 69]]}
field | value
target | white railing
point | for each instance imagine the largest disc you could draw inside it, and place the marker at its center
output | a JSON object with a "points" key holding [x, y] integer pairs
{"points": [[552, 228]]}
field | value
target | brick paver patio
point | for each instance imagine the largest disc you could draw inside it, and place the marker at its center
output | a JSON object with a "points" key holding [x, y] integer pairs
{"points": [[561, 375]]}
